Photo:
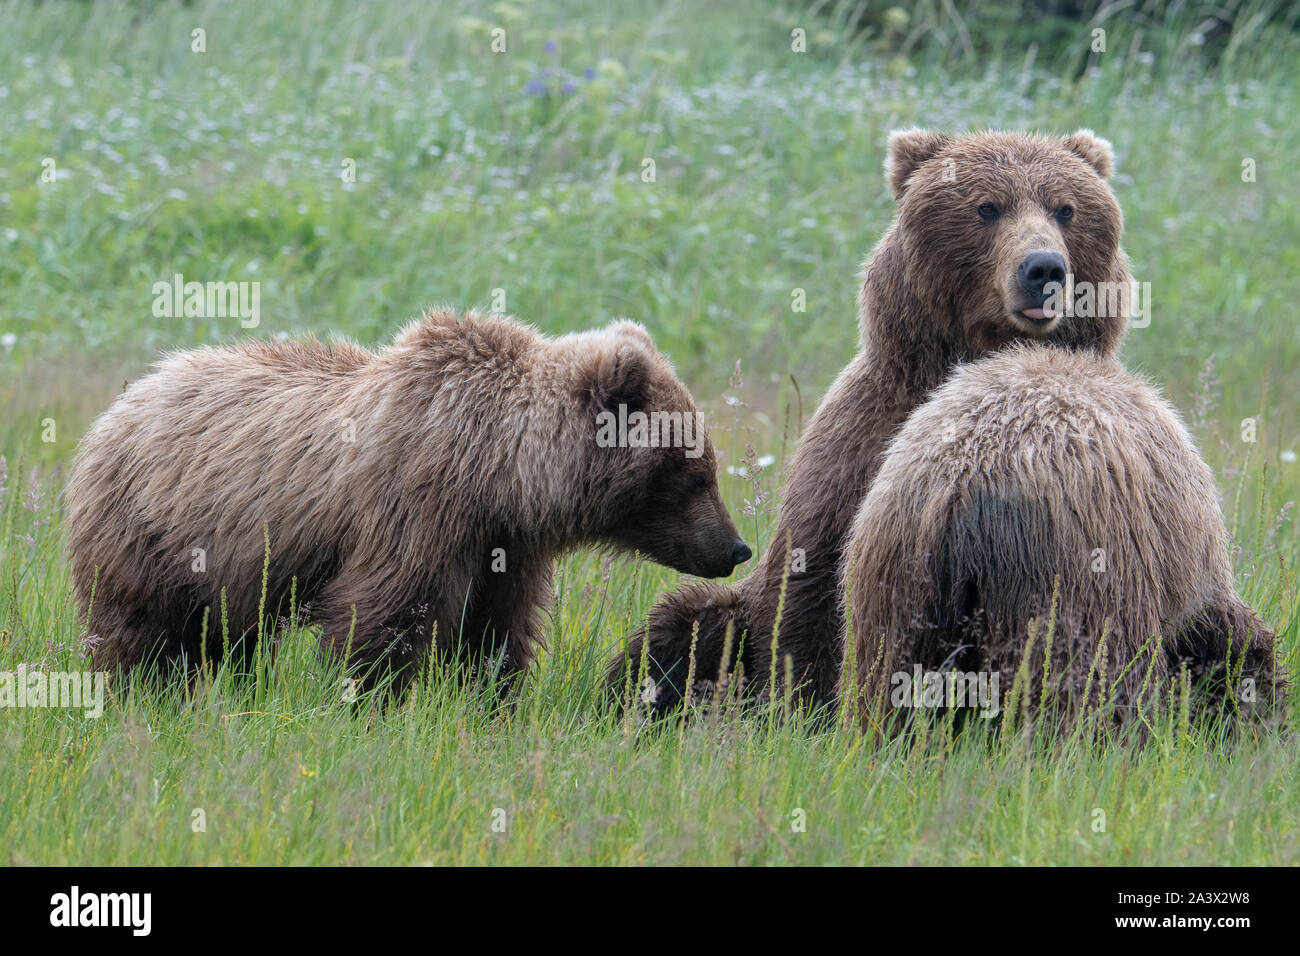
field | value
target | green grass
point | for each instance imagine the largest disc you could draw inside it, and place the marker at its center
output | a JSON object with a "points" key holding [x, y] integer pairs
{"points": [[225, 166]]}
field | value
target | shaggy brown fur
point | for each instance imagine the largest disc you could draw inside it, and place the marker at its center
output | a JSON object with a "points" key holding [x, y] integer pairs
{"points": [[940, 289], [388, 480], [1028, 467]]}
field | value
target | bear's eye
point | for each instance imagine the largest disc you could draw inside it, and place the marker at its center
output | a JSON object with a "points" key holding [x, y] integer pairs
{"points": [[699, 481], [1065, 213], [988, 210]]}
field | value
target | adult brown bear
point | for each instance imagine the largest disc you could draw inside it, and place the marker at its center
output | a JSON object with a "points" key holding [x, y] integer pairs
{"points": [[429, 484], [1048, 500], [986, 223]]}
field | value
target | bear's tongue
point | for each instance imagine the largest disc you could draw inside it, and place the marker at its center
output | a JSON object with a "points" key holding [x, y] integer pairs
{"points": [[1034, 313]]}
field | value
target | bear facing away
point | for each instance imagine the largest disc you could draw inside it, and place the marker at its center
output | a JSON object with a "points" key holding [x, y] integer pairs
{"points": [[1034, 472], [431, 482], [985, 224]]}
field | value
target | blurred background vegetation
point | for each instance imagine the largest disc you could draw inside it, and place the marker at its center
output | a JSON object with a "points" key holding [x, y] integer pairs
{"points": [[522, 171], [1058, 34]]}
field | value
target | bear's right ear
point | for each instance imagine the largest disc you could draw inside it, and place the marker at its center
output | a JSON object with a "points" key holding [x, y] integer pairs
{"points": [[633, 330], [618, 375], [908, 149]]}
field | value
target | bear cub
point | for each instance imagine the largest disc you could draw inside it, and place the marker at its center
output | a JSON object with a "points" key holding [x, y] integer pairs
{"points": [[1046, 502], [415, 493]]}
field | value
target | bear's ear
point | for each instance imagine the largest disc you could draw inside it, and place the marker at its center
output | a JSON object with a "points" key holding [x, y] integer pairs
{"points": [[1093, 150], [908, 149], [632, 330], [619, 375]]}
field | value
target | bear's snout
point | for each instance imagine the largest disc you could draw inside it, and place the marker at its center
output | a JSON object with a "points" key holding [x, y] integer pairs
{"points": [[1038, 269], [721, 562]]}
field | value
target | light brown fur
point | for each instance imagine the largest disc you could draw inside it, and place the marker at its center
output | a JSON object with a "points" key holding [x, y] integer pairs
{"points": [[386, 479], [939, 290], [1035, 469]]}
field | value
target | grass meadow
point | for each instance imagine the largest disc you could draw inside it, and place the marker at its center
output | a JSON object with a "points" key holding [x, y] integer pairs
{"points": [[127, 156]]}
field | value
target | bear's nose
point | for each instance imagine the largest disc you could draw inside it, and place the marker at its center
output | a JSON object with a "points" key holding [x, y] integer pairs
{"points": [[740, 553], [1038, 269]]}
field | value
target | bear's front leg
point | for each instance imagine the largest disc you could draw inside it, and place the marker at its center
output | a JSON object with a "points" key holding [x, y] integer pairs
{"points": [[380, 629], [501, 628], [374, 649]]}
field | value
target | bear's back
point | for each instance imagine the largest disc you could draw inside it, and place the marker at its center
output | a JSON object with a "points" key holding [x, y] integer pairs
{"points": [[1033, 415], [1043, 462]]}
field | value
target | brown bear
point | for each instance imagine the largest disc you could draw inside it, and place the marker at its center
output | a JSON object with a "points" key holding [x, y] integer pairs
{"points": [[1040, 500], [429, 484], [986, 224]]}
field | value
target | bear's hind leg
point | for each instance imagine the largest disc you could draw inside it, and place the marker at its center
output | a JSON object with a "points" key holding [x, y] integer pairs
{"points": [[700, 615], [1229, 643], [122, 639]]}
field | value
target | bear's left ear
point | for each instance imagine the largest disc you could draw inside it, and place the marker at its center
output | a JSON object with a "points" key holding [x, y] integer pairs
{"points": [[1093, 150], [908, 149], [619, 375]]}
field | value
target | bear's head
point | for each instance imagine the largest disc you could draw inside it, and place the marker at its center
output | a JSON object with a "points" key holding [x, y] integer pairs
{"points": [[999, 232], [653, 472]]}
